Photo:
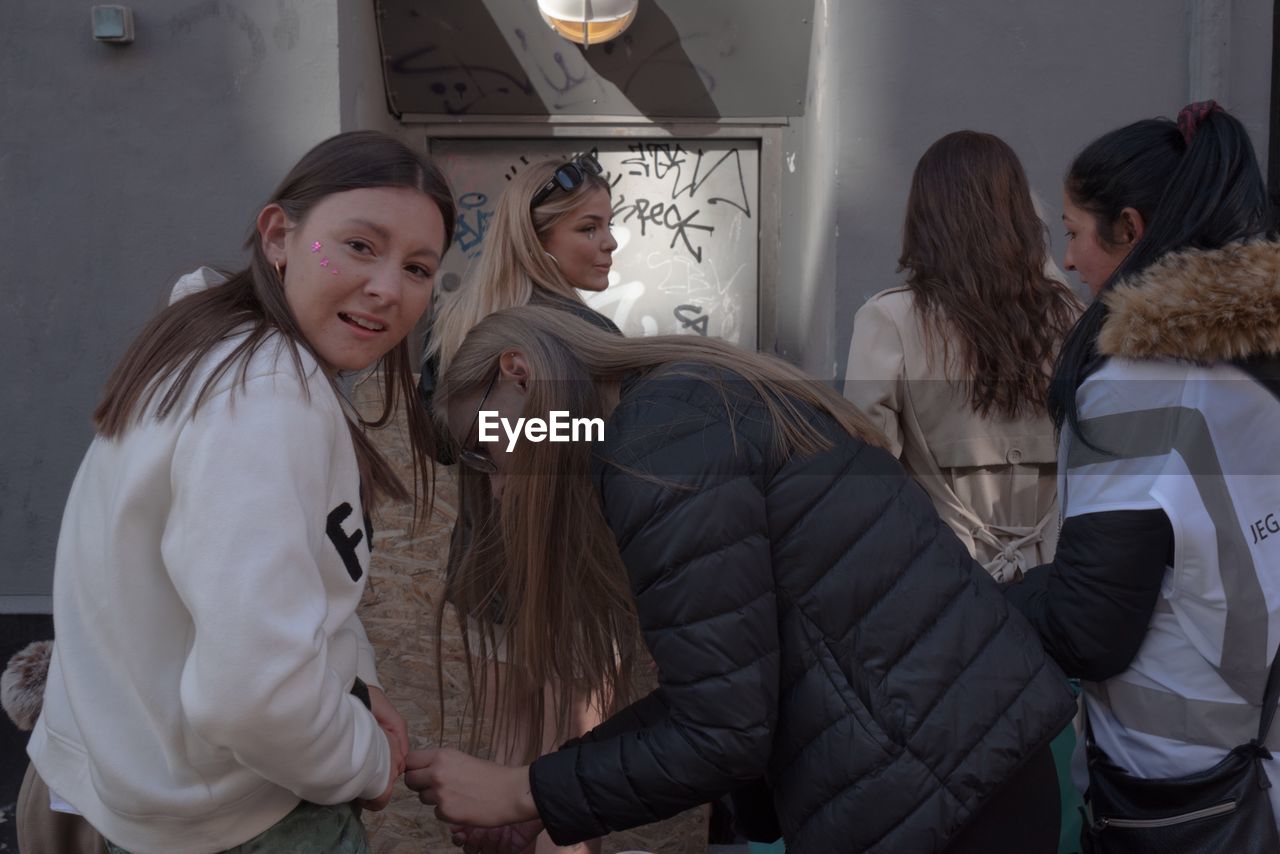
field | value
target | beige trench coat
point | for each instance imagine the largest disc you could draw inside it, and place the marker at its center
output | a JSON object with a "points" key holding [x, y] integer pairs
{"points": [[992, 479]]}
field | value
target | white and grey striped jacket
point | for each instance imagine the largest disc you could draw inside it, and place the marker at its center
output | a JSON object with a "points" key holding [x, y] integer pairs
{"points": [[1178, 427]]}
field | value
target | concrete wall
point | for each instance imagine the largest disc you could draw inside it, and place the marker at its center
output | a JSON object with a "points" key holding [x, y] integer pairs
{"points": [[806, 291], [362, 96], [120, 168]]}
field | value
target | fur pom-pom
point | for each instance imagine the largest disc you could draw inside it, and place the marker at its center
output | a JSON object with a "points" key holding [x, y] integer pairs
{"points": [[22, 683]]}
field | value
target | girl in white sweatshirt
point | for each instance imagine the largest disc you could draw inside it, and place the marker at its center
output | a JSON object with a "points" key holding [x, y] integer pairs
{"points": [[211, 684]]}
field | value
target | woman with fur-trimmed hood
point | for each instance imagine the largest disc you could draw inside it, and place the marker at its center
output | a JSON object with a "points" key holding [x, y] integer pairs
{"points": [[1164, 595]]}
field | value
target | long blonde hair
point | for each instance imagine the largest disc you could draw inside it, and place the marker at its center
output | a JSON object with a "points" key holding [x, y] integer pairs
{"points": [[545, 564], [514, 261]]}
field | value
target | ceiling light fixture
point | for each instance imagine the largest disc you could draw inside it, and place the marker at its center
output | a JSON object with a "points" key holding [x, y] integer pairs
{"points": [[588, 22]]}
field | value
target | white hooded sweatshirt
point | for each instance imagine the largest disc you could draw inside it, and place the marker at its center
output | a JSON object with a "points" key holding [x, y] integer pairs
{"points": [[207, 576]]}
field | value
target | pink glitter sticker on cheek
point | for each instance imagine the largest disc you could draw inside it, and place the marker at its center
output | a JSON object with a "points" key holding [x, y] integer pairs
{"points": [[315, 247], [324, 262]]}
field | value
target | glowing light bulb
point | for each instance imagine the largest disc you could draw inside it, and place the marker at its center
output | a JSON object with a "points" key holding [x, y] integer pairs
{"points": [[588, 22]]}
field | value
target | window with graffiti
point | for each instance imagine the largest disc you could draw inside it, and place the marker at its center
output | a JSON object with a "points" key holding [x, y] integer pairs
{"points": [[685, 215]]}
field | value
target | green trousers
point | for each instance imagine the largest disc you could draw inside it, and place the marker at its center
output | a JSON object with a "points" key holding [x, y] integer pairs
{"points": [[309, 829]]}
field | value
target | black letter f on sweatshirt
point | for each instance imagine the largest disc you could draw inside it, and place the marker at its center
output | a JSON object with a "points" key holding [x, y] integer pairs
{"points": [[346, 545]]}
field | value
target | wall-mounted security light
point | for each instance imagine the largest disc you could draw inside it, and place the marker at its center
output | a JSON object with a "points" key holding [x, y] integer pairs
{"points": [[113, 24], [588, 22]]}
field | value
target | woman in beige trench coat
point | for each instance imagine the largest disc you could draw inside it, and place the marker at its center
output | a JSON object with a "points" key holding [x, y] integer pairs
{"points": [[953, 366]]}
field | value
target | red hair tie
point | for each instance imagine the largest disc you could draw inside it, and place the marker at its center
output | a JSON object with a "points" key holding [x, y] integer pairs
{"points": [[1190, 117]]}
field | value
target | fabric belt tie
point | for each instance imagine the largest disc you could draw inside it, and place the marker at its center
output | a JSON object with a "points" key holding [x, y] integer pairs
{"points": [[1010, 563]]}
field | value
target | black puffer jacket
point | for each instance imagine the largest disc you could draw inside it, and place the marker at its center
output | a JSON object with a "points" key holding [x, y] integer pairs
{"points": [[814, 624]]}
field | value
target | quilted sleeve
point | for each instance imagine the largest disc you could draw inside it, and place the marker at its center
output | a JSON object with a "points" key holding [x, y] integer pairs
{"points": [[683, 495], [1092, 605]]}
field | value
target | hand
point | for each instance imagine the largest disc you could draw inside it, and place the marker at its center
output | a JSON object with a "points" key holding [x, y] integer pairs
{"points": [[470, 791], [509, 839], [397, 732], [391, 721], [397, 767]]}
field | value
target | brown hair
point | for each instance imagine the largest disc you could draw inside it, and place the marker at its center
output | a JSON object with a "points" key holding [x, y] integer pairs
{"points": [[169, 350], [974, 250], [514, 262], [546, 564]]}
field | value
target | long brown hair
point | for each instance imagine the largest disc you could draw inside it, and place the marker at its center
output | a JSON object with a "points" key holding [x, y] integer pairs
{"points": [[168, 352], [514, 262], [547, 565], [975, 254]]}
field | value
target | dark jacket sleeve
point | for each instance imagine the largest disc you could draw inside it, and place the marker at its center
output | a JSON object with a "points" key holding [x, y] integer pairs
{"points": [[754, 814], [688, 511], [647, 711], [1092, 605]]}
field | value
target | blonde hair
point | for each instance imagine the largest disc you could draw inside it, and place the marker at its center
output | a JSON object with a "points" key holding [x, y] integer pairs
{"points": [[545, 564], [514, 261]]}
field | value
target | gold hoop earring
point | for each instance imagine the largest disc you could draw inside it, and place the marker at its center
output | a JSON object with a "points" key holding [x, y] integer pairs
{"points": [[279, 272]]}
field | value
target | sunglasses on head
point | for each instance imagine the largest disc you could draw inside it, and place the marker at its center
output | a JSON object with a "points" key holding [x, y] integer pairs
{"points": [[475, 460], [568, 177]]}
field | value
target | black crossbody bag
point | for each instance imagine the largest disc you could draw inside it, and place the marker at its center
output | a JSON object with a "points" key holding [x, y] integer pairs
{"points": [[1224, 809]]}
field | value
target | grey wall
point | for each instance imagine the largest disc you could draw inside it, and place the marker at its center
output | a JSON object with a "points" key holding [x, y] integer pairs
{"points": [[120, 168], [806, 292]]}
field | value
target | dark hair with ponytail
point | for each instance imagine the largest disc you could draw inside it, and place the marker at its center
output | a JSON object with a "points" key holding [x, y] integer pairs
{"points": [[1196, 184]]}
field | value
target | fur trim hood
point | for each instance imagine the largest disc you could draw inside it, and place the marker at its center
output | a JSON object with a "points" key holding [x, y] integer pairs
{"points": [[1199, 305], [22, 683]]}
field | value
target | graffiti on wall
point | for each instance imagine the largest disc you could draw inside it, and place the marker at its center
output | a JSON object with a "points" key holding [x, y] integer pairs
{"points": [[684, 216], [560, 76]]}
